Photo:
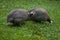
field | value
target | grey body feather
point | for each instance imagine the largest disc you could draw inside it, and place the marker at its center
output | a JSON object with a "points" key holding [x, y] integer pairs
{"points": [[39, 14], [17, 16]]}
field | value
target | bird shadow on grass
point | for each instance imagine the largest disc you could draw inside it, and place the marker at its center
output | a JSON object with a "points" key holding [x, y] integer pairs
{"points": [[16, 25]]}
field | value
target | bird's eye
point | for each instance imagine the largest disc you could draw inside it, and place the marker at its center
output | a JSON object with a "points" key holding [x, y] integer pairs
{"points": [[31, 14]]}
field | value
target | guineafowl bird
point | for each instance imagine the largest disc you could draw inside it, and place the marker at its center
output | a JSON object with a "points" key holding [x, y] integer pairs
{"points": [[39, 14], [17, 16]]}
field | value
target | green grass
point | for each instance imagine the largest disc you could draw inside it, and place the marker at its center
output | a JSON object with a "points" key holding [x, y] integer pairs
{"points": [[31, 30]]}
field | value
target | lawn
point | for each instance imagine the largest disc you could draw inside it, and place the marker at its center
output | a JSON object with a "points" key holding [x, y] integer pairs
{"points": [[30, 30]]}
